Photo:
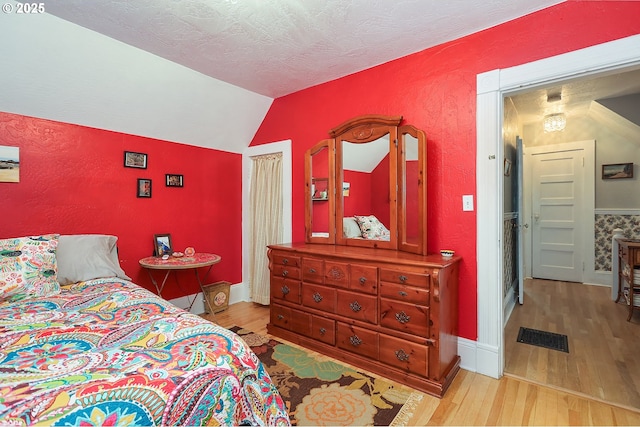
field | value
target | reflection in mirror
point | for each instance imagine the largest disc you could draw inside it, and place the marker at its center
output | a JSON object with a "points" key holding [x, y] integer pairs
{"points": [[319, 178], [365, 187], [411, 191]]}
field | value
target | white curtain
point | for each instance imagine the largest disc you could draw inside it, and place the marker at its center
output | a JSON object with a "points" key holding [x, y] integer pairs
{"points": [[266, 221]]}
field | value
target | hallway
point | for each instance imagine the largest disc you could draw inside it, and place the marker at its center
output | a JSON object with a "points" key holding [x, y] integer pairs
{"points": [[603, 360]]}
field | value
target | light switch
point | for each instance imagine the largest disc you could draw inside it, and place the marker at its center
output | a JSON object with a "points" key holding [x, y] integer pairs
{"points": [[467, 202]]}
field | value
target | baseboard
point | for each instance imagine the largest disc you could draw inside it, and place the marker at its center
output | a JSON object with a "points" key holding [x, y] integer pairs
{"points": [[467, 351]]}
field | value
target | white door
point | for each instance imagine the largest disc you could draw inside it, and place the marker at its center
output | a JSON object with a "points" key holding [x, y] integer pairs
{"points": [[557, 209]]}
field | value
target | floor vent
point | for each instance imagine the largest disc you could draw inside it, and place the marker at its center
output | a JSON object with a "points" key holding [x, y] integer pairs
{"points": [[544, 339]]}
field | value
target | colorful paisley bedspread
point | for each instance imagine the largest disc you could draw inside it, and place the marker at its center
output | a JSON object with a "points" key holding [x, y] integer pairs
{"points": [[108, 352]]}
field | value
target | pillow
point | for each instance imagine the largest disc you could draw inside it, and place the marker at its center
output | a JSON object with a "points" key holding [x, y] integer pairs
{"points": [[372, 228], [350, 228], [28, 267], [84, 257]]}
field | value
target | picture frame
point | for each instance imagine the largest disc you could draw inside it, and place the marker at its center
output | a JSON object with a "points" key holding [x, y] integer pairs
{"points": [[617, 171], [135, 160], [144, 188], [162, 245], [174, 180], [9, 164]]}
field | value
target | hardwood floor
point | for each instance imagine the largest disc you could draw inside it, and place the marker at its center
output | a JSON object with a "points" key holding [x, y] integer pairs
{"points": [[475, 399], [603, 360]]}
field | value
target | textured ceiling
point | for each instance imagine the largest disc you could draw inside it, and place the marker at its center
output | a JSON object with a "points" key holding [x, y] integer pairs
{"points": [[276, 47]]}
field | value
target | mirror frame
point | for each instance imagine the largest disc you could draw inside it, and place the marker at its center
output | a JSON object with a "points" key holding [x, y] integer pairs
{"points": [[364, 129], [420, 246], [360, 131], [331, 188]]}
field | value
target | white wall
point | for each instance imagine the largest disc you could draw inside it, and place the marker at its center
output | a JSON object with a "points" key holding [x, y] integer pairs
{"points": [[615, 143], [57, 70]]}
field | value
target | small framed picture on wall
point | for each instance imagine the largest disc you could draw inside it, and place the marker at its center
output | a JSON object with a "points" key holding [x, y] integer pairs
{"points": [[144, 187], [618, 170], [135, 160], [173, 180]]}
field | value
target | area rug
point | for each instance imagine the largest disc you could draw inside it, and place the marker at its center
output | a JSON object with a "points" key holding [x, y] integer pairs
{"points": [[320, 391]]}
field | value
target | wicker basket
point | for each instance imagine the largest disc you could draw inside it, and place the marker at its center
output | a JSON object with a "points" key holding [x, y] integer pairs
{"points": [[218, 296]]}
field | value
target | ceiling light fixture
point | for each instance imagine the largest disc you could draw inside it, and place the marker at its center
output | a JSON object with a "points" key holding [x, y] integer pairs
{"points": [[554, 122]]}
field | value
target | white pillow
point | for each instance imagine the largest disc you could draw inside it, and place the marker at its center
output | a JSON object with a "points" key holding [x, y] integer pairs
{"points": [[350, 228], [84, 257]]}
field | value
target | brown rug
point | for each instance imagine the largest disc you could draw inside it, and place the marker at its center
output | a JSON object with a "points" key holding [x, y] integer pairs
{"points": [[320, 391]]}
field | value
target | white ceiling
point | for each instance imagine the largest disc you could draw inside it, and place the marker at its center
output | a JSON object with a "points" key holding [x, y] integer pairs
{"points": [[276, 47]]}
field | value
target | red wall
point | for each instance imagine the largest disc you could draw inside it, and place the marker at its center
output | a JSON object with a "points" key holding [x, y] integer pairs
{"points": [[72, 180], [435, 90]]}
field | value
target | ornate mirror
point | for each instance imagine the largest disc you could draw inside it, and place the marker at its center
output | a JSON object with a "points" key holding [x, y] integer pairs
{"points": [[374, 176]]}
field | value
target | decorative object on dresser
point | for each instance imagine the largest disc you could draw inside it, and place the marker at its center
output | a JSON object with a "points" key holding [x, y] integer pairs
{"points": [[377, 301]]}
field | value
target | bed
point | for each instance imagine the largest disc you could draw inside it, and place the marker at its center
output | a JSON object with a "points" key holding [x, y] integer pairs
{"points": [[105, 351]]}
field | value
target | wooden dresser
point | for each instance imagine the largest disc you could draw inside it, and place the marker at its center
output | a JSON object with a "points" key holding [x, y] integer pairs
{"points": [[389, 312]]}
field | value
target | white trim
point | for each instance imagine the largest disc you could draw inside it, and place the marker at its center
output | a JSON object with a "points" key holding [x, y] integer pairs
{"points": [[283, 147], [467, 352], [617, 211], [492, 87]]}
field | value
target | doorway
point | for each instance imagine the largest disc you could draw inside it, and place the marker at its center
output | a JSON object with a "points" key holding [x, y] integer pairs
{"points": [[607, 58]]}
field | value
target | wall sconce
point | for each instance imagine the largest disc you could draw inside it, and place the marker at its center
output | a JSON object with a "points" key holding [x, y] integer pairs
{"points": [[554, 122]]}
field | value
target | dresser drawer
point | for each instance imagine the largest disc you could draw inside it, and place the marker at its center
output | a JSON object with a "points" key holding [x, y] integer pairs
{"points": [[363, 278], [336, 273], [404, 293], [313, 270], [285, 289], [285, 271], [357, 306], [286, 260], [300, 322], [410, 318], [319, 297], [408, 356], [323, 329], [404, 278], [280, 316], [357, 340]]}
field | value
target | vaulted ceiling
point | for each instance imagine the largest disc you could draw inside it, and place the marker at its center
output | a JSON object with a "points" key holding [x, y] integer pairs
{"points": [[276, 47]]}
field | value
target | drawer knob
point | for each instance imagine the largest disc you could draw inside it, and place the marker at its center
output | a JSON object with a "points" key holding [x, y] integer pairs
{"points": [[312, 270], [323, 331], [280, 317], [285, 290], [285, 272], [402, 278], [355, 306], [362, 280], [402, 317], [402, 293], [285, 261], [354, 340], [317, 297], [402, 356]]}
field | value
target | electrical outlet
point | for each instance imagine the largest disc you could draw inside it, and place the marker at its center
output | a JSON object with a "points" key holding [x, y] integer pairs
{"points": [[467, 202]]}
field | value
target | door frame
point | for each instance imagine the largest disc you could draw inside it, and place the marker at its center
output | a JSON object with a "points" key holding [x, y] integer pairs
{"points": [[492, 87], [587, 225], [243, 293]]}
